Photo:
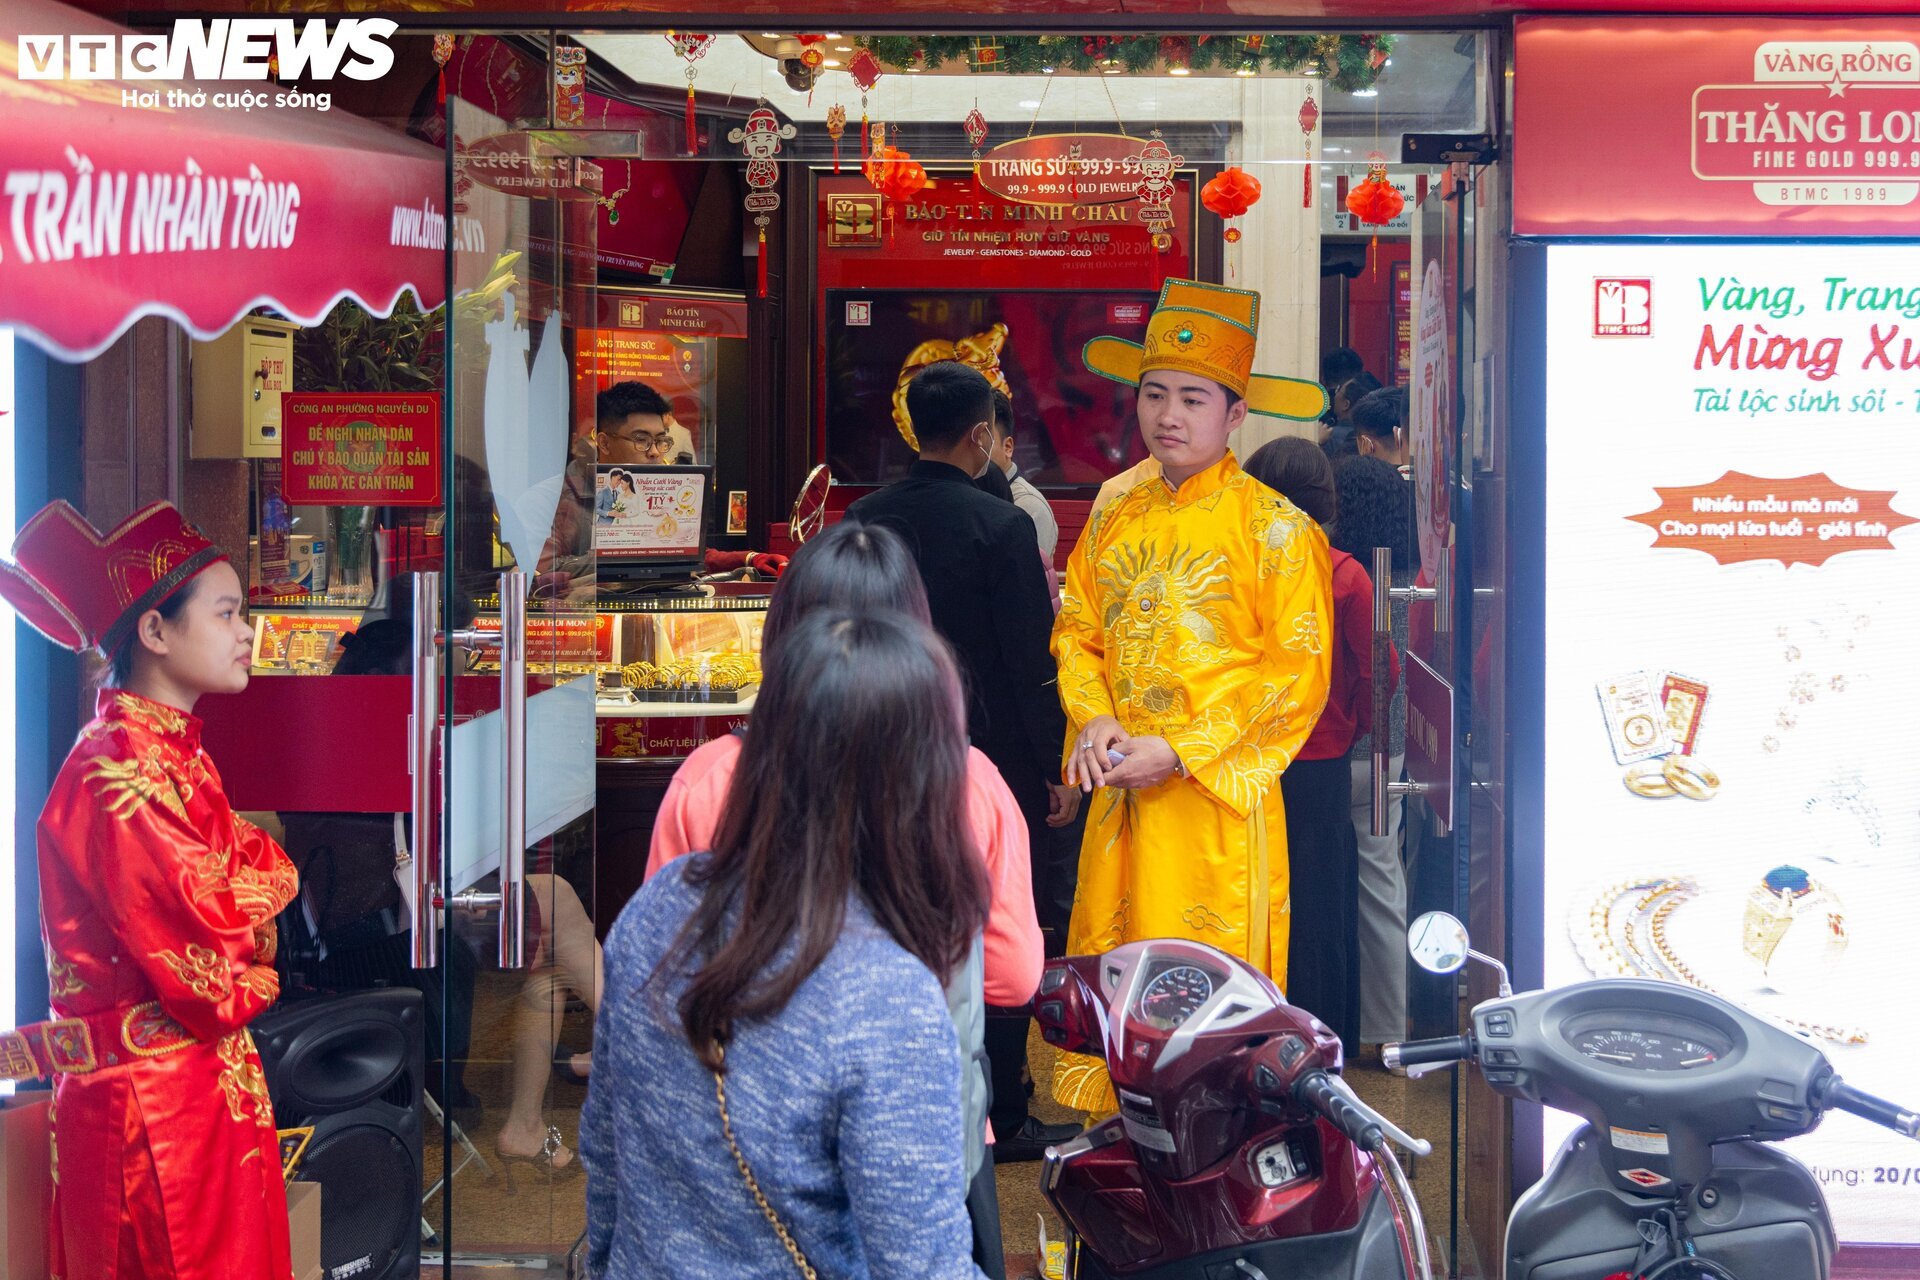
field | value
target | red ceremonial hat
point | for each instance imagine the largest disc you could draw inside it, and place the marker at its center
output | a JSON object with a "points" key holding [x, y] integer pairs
{"points": [[82, 590]]}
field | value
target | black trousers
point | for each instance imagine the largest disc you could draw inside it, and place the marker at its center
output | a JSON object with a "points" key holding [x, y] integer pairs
{"points": [[1323, 856], [1006, 1035]]}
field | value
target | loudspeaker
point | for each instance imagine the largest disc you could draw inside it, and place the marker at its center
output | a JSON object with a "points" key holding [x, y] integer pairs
{"points": [[353, 1066]]}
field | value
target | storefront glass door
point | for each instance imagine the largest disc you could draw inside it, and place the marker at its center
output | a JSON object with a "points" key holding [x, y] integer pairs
{"points": [[516, 694]]}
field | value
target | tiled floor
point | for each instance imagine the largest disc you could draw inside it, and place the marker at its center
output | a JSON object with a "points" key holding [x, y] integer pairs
{"points": [[537, 1223]]}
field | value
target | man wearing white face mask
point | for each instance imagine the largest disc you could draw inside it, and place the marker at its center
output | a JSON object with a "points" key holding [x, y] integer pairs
{"points": [[987, 592]]}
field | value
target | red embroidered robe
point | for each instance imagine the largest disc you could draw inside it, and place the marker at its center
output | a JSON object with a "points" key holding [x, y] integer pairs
{"points": [[157, 908]]}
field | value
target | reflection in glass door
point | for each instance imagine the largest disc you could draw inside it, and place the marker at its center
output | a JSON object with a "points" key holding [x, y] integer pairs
{"points": [[516, 700]]}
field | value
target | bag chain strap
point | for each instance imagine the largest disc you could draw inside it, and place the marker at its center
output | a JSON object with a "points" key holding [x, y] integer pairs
{"points": [[753, 1184]]}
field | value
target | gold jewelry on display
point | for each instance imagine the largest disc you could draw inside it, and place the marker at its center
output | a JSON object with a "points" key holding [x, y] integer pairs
{"points": [[1635, 944], [1673, 775], [1649, 778]]}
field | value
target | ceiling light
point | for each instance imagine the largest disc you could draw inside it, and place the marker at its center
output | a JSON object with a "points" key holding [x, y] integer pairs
{"points": [[843, 48], [1030, 104], [1179, 71], [1387, 63], [914, 71], [1046, 71], [1112, 69], [831, 62], [1366, 93], [1244, 71], [770, 35], [835, 35]]}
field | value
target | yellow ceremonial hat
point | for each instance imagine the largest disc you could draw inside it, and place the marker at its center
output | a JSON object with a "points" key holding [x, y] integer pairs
{"points": [[1209, 330]]}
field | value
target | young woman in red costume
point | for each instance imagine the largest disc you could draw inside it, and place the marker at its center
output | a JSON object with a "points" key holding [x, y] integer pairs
{"points": [[157, 909]]}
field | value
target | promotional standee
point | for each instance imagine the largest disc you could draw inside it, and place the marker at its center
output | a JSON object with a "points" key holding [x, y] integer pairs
{"points": [[1730, 804], [1730, 801]]}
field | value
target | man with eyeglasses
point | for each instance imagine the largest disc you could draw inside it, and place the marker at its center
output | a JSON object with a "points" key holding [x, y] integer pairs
{"points": [[632, 425]]}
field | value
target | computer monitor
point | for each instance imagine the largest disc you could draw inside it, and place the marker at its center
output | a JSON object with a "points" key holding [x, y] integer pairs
{"points": [[649, 523]]}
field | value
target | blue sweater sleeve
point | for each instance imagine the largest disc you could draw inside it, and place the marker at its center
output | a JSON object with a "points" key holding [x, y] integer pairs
{"points": [[599, 1153], [901, 1141]]}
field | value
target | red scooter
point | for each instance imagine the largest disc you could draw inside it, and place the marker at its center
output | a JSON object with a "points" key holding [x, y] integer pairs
{"points": [[1239, 1153]]}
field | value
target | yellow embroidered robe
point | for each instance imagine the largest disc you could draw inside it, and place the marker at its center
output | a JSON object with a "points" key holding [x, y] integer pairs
{"points": [[1202, 616]]}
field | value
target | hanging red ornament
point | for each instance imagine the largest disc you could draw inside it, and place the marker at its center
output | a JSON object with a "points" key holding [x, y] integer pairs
{"points": [[1375, 201], [569, 86], [894, 174], [836, 126], [1376, 52], [865, 70], [1229, 194], [442, 55], [1176, 53], [1309, 117], [976, 126], [1155, 165], [813, 52], [759, 140], [692, 48]]}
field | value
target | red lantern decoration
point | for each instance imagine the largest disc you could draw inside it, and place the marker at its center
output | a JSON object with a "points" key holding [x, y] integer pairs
{"points": [[1231, 193], [894, 174], [813, 52], [1376, 201]]}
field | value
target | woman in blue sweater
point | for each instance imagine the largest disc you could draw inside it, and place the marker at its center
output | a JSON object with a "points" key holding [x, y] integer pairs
{"points": [[776, 1079]]}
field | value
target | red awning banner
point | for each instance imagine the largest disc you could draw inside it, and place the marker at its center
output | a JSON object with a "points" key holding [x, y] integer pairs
{"points": [[119, 199]]}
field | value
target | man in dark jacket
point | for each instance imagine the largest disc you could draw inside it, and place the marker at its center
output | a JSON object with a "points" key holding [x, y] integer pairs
{"points": [[987, 590]]}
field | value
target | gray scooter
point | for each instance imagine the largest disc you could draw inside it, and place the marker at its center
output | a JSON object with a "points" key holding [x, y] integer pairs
{"points": [[1670, 1177]]}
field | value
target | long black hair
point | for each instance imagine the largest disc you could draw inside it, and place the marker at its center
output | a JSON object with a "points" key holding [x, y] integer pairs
{"points": [[853, 780]]}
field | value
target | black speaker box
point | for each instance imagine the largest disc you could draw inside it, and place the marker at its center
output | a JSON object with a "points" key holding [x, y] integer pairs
{"points": [[353, 1066]]}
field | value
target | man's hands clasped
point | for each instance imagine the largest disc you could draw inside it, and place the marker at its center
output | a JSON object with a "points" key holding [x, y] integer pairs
{"points": [[1144, 761]]}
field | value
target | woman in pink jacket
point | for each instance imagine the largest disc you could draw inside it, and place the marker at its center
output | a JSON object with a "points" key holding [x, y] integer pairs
{"points": [[855, 566]]}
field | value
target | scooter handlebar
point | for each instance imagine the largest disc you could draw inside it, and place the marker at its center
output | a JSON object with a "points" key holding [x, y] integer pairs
{"points": [[1317, 1093], [1422, 1053], [1841, 1096]]}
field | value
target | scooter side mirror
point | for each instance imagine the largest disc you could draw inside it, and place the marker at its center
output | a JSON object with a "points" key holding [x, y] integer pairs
{"points": [[1071, 1012], [1438, 943]]}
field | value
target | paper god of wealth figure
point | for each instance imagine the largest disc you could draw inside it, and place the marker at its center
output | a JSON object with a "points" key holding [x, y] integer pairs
{"points": [[1194, 639]]}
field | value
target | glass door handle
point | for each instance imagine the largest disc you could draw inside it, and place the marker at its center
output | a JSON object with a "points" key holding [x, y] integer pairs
{"points": [[422, 728], [1383, 597], [1384, 594], [513, 755]]}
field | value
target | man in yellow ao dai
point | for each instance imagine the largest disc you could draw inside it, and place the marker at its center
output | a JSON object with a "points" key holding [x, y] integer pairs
{"points": [[1194, 638]]}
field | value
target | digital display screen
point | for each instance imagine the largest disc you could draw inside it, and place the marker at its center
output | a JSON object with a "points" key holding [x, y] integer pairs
{"points": [[1732, 599]]}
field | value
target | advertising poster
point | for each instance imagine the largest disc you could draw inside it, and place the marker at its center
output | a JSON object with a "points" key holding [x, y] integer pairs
{"points": [[362, 450], [1733, 600], [648, 515]]}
